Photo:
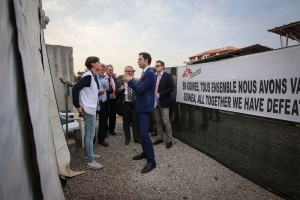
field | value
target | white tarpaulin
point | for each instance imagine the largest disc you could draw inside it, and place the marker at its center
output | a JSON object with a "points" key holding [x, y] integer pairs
{"points": [[265, 84], [62, 152], [33, 150]]}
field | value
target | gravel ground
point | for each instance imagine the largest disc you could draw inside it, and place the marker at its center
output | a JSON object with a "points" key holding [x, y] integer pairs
{"points": [[181, 173]]}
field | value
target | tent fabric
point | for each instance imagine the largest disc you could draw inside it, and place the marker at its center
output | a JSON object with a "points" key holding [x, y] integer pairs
{"points": [[30, 133], [55, 127], [17, 177], [28, 26]]}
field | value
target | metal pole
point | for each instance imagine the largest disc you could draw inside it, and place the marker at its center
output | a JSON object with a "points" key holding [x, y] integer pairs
{"points": [[67, 120]]}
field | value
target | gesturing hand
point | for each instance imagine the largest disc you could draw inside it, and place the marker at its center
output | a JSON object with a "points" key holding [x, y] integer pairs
{"points": [[126, 78]]}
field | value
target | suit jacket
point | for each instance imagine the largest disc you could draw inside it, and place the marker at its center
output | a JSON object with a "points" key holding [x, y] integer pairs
{"points": [[122, 93], [144, 89], [165, 88]]}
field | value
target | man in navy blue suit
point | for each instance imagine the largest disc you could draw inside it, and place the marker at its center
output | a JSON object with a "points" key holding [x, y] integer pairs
{"points": [[144, 105]]}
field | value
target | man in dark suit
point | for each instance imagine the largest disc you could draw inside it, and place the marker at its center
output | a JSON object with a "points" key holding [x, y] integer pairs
{"points": [[104, 92], [127, 96], [144, 105], [112, 100], [164, 88]]}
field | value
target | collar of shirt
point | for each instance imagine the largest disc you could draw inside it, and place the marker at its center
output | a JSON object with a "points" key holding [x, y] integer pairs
{"points": [[100, 77], [146, 69], [161, 73]]}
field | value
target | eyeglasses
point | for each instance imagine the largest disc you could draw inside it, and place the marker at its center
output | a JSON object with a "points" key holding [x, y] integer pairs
{"points": [[157, 65], [128, 71]]}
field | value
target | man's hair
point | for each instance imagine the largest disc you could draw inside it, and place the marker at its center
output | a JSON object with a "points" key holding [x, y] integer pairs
{"points": [[130, 68], [109, 65], [90, 60], [162, 63], [103, 65], [146, 56], [173, 70]]}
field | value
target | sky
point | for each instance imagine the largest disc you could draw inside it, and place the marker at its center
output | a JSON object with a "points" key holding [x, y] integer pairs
{"points": [[170, 30]]}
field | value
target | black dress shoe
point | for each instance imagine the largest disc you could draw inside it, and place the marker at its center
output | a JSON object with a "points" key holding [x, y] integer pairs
{"points": [[168, 145], [112, 133], [157, 142], [153, 134], [148, 167], [139, 157]]}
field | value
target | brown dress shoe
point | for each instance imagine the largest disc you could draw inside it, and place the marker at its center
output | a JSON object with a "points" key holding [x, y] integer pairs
{"points": [[127, 142], [138, 141], [104, 144]]}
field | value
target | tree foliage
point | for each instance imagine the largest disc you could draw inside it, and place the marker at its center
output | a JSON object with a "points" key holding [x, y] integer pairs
{"points": [[78, 76], [120, 77]]}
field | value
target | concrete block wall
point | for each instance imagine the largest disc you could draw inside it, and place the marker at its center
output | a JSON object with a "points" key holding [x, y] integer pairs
{"points": [[263, 150], [61, 66]]}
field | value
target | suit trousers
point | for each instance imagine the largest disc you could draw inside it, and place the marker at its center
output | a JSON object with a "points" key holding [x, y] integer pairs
{"points": [[143, 124], [112, 115], [162, 119], [129, 116], [103, 115]]}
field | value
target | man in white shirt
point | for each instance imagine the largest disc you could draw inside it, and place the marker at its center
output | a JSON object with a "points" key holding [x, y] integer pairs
{"points": [[128, 99]]}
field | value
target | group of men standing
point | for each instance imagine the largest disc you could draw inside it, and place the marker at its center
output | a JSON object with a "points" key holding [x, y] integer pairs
{"points": [[152, 93]]}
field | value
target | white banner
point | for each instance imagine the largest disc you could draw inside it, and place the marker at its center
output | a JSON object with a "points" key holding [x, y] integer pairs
{"points": [[264, 84]]}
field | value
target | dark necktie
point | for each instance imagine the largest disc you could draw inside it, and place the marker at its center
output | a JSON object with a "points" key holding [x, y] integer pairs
{"points": [[129, 93]]}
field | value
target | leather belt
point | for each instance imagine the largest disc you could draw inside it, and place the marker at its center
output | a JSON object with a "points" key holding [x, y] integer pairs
{"points": [[128, 102]]}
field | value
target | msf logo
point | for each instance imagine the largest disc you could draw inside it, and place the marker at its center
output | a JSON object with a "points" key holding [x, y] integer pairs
{"points": [[187, 72]]}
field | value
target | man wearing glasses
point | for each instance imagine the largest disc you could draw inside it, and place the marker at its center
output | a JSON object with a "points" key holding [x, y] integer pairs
{"points": [[164, 88], [104, 91], [128, 99]]}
